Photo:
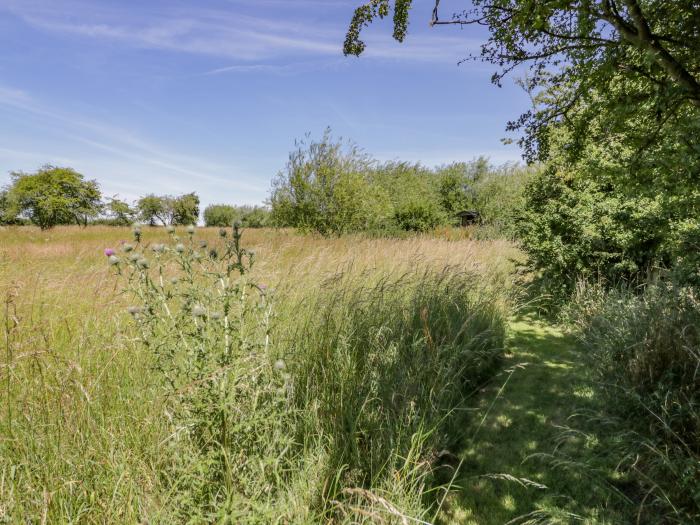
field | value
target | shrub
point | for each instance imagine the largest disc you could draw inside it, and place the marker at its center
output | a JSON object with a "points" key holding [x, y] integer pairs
{"points": [[419, 216], [220, 215], [575, 228], [646, 350], [223, 215], [324, 189]]}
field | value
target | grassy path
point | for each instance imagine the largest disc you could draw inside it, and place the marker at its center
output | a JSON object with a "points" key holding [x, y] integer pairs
{"points": [[537, 449]]}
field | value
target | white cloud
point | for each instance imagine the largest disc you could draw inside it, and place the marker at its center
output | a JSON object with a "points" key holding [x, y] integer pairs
{"points": [[151, 168], [226, 33]]}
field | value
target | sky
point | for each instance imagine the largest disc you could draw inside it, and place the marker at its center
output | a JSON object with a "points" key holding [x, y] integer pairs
{"points": [[174, 96]]}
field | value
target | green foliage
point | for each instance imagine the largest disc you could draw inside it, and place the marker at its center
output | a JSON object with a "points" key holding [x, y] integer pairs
{"points": [[332, 188], [169, 210], [646, 351], [631, 63], [119, 213], [185, 209], [220, 215], [324, 188], [223, 215], [51, 196], [153, 209]]}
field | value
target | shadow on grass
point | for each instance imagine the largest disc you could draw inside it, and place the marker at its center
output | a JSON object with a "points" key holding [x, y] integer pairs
{"points": [[536, 451]]}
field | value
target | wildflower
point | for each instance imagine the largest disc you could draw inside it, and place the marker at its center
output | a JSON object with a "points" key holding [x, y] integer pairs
{"points": [[198, 311], [190, 229], [134, 310], [280, 365], [213, 254], [109, 252], [127, 247], [113, 260], [222, 232], [134, 257], [179, 247], [143, 262], [158, 248], [137, 233]]}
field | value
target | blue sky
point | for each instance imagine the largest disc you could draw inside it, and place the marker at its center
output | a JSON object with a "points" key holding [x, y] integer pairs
{"points": [[172, 96]]}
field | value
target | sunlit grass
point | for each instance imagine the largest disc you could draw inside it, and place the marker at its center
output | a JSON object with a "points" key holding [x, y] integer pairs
{"points": [[81, 423]]}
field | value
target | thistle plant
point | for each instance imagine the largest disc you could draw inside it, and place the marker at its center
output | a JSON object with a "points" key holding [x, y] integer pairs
{"points": [[207, 324]]}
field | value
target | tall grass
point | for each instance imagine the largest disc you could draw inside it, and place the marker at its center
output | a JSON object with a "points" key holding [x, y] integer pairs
{"points": [[375, 359], [646, 349]]}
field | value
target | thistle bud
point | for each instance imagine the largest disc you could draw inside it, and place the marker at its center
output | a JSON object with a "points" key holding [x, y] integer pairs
{"points": [[198, 311], [280, 365], [237, 224], [127, 247], [113, 260], [203, 243], [137, 233], [134, 257], [179, 248], [143, 263], [190, 229], [216, 315], [222, 232], [134, 310], [158, 248]]}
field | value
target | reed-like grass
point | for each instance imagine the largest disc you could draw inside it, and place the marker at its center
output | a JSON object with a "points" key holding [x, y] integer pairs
{"points": [[645, 348], [383, 338]]}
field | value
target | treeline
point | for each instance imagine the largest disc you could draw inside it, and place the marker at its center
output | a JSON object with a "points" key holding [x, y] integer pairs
{"points": [[332, 187], [55, 196]]}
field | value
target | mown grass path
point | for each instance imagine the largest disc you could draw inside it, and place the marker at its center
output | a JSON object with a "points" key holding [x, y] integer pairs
{"points": [[537, 449]]}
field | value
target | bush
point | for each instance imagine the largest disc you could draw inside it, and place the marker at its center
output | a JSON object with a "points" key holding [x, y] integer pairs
{"points": [[574, 228], [223, 215], [324, 189], [646, 350], [220, 215]]}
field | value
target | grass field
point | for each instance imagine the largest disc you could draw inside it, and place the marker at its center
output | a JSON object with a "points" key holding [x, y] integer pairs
{"points": [[84, 435]]}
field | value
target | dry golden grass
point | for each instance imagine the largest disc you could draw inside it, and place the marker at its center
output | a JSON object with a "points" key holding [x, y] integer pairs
{"points": [[79, 429]]}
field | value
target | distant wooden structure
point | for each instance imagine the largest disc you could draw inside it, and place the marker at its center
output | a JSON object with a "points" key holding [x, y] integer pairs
{"points": [[469, 217]]}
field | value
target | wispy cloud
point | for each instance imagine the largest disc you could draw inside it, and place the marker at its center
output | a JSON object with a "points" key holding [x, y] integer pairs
{"points": [[161, 165], [229, 33]]}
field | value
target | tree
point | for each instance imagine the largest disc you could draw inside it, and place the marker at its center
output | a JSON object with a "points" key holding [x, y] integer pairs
{"points": [[632, 61], [185, 209], [325, 188], [52, 196], [220, 215], [153, 208], [120, 212]]}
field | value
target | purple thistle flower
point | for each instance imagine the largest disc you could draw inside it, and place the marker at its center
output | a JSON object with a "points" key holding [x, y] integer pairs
{"points": [[109, 252]]}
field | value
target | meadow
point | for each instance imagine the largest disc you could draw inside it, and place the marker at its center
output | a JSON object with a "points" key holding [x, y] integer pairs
{"points": [[352, 433]]}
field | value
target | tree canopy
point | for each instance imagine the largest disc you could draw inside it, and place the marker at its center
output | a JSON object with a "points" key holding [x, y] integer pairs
{"points": [[632, 64], [52, 196]]}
